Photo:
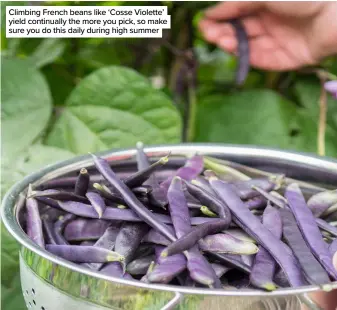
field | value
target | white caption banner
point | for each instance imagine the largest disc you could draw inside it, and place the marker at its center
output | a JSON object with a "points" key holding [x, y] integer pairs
{"points": [[86, 21]]}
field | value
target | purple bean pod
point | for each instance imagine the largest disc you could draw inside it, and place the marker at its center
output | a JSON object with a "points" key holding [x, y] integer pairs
{"points": [[247, 221], [34, 223], [97, 203], [307, 225], [82, 182]]}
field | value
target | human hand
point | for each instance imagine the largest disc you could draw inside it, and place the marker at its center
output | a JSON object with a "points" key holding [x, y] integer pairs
{"points": [[282, 35]]}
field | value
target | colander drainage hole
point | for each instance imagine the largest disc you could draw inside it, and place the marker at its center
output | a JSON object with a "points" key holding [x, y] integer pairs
{"points": [[42, 308], [27, 292], [34, 302], [33, 291], [30, 305]]}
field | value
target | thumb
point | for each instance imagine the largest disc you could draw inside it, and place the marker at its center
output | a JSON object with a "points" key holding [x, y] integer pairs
{"points": [[228, 10]]}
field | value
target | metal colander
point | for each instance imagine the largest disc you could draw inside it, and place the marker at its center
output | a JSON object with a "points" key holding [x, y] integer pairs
{"points": [[51, 283]]}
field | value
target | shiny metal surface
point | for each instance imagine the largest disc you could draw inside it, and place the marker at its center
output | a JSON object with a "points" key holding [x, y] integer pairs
{"points": [[82, 284], [39, 294]]}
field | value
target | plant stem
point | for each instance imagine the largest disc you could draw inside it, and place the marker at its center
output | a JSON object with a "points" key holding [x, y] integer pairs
{"points": [[192, 107], [322, 120]]}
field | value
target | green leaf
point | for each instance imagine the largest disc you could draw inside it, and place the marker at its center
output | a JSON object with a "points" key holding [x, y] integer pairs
{"points": [[249, 117], [259, 117], [36, 157], [40, 155], [11, 296], [47, 52], [26, 105], [109, 52], [115, 107], [9, 257]]}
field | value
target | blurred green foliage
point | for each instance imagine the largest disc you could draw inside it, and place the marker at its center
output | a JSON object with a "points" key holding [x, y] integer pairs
{"points": [[62, 97]]}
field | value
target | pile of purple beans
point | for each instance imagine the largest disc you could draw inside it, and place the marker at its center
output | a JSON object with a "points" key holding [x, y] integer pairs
{"points": [[207, 224]]}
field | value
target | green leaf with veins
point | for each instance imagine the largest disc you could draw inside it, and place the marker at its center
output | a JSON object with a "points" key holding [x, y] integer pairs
{"points": [[248, 117], [115, 107], [259, 117], [26, 105], [35, 158]]}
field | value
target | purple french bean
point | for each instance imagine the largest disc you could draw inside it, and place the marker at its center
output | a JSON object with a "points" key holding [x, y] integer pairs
{"points": [[307, 225], [224, 243], [60, 195], [199, 268], [49, 231], [190, 239], [325, 226], [264, 265], [192, 168], [107, 194], [82, 182], [84, 254], [106, 241], [97, 203], [49, 202], [320, 202], [240, 234], [34, 223], [138, 178], [245, 191], [59, 226], [153, 236], [157, 196], [139, 266], [129, 238], [84, 229], [131, 200], [51, 214], [248, 222], [314, 272], [116, 214], [167, 267], [210, 201]]}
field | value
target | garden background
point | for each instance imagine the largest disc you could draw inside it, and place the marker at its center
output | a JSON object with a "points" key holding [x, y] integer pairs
{"points": [[65, 97]]}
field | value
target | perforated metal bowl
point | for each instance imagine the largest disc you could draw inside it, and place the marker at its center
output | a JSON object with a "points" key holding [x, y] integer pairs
{"points": [[51, 283]]}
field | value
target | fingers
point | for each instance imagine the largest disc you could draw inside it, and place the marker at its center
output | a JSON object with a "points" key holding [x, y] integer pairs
{"points": [[213, 30], [257, 45], [227, 10], [264, 53]]}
